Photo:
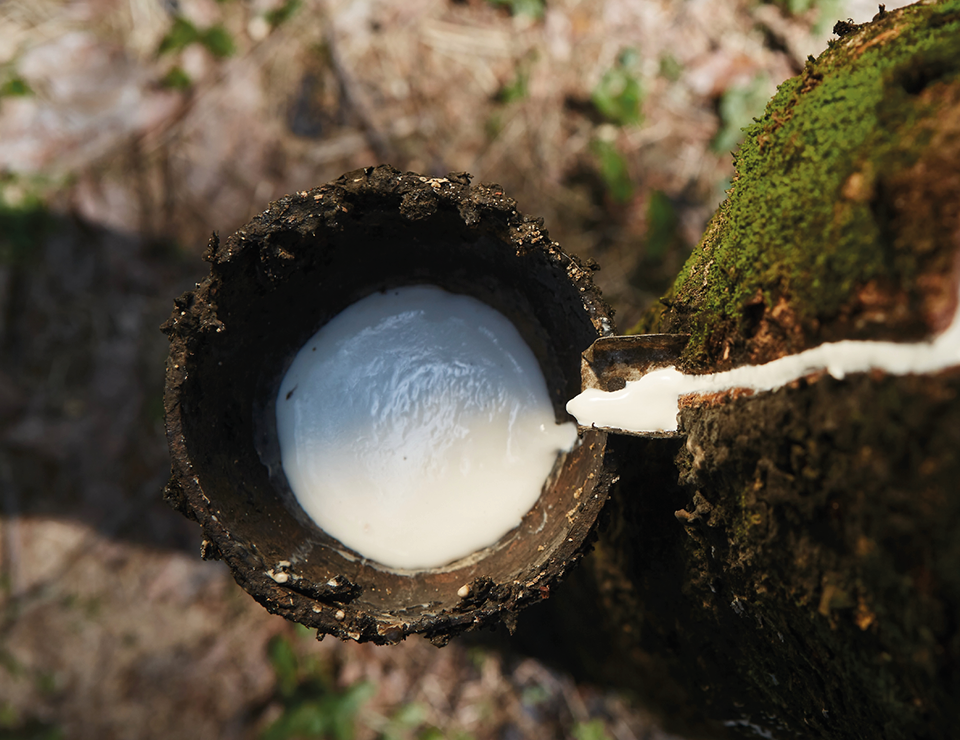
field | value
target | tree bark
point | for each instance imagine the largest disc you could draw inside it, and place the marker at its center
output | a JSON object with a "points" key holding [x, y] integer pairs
{"points": [[792, 567]]}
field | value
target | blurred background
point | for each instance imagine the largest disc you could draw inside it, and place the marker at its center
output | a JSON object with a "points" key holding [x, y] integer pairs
{"points": [[132, 129]]}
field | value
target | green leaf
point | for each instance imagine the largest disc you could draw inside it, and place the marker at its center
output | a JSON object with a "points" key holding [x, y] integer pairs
{"points": [[176, 79], [181, 34], [618, 95], [215, 39], [516, 89], [534, 695], [408, 717], [431, 733], [670, 67], [15, 87], [46, 682], [613, 170], [218, 42], [530, 8], [592, 730], [310, 710], [308, 719], [284, 13], [662, 224], [9, 716], [285, 664]]}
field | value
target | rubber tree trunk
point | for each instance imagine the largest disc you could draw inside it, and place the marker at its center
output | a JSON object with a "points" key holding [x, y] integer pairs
{"points": [[791, 567]]}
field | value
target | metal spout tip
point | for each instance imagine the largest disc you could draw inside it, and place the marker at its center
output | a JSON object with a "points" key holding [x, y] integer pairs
{"points": [[610, 362]]}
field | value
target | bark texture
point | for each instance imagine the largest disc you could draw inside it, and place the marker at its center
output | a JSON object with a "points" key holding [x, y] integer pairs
{"points": [[792, 568]]}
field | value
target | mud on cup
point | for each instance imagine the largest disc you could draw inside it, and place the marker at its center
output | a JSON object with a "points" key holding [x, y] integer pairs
{"points": [[365, 407]]}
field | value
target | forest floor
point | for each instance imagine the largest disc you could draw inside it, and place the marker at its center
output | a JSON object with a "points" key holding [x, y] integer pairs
{"points": [[131, 130]]}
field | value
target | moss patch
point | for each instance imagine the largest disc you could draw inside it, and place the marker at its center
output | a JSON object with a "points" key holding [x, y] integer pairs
{"points": [[841, 217]]}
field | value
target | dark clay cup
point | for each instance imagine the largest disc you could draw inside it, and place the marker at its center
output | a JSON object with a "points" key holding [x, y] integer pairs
{"points": [[271, 286]]}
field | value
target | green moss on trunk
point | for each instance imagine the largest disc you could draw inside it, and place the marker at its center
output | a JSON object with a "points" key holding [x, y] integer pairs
{"points": [[841, 220]]}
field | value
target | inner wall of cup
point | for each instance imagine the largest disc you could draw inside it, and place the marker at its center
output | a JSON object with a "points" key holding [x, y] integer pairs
{"points": [[270, 306], [471, 277]]}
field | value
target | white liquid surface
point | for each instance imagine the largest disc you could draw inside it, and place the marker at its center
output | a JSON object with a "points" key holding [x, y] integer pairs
{"points": [[651, 404], [416, 427]]}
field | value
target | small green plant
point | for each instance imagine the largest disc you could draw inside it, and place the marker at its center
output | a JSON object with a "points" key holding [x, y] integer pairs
{"points": [[670, 67], [312, 706], [534, 695], [592, 730], [403, 723], [181, 34], [613, 170], [15, 87], [176, 79], [284, 13], [218, 42], [10, 664], [530, 8], [662, 227], [47, 682], [216, 39], [331, 715], [478, 657], [618, 95], [516, 89]]}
